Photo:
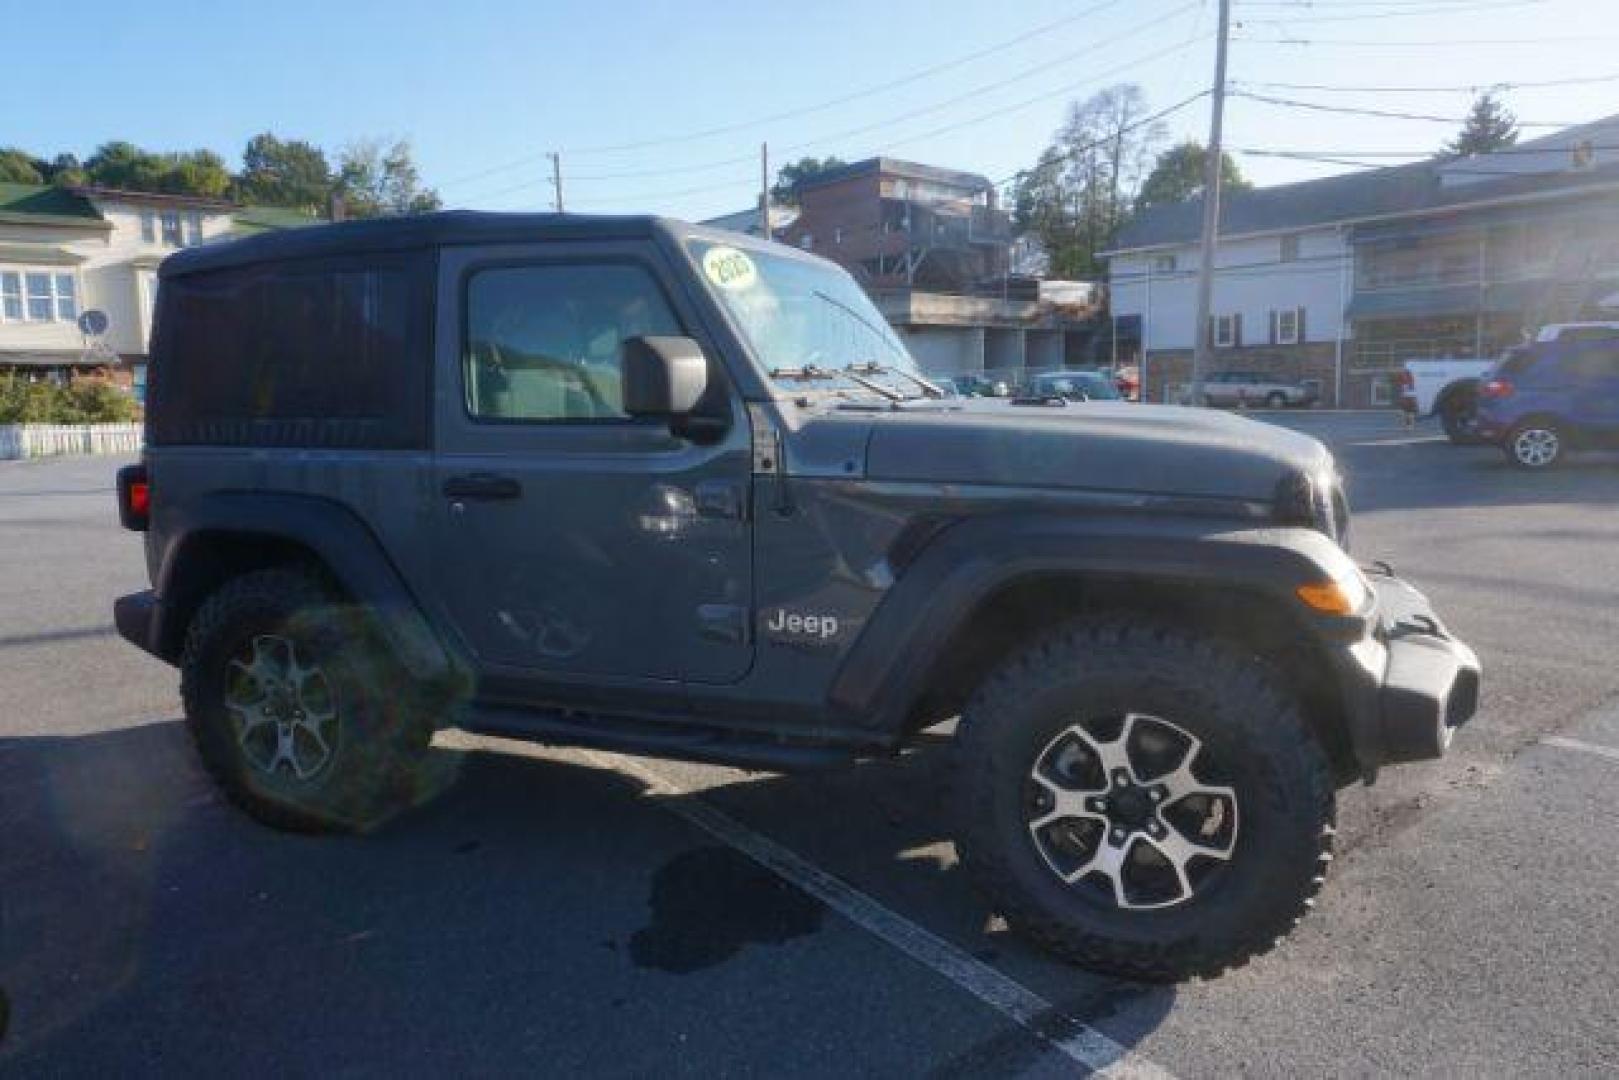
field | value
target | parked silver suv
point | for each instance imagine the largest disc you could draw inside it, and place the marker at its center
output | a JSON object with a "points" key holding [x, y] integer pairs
{"points": [[1254, 388]]}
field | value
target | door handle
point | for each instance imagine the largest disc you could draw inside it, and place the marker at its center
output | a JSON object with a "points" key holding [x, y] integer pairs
{"points": [[482, 486]]}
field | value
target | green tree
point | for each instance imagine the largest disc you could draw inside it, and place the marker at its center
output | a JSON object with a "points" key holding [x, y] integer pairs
{"points": [[1085, 184], [121, 164], [199, 172], [376, 181], [1178, 175], [789, 176], [290, 172], [20, 167], [67, 171], [1489, 126]]}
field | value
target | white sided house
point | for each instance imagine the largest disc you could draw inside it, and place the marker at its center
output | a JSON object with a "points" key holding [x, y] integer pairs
{"points": [[1278, 307], [65, 251], [1339, 281]]}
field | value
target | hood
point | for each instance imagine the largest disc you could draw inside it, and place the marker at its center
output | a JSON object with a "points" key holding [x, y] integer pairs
{"points": [[1098, 446]]}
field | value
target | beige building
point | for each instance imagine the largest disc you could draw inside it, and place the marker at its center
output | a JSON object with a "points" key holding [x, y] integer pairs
{"points": [[65, 251]]}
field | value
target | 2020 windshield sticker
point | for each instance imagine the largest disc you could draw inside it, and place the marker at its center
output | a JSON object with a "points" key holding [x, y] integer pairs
{"points": [[729, 268]]}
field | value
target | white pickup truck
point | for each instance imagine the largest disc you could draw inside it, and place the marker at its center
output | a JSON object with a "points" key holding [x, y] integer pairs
{"points": [[1444, 388]]}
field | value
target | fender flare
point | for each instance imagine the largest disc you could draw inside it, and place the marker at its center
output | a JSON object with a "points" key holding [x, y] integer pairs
{"points": [[1468, 383], [969, 562], [343, 543]]}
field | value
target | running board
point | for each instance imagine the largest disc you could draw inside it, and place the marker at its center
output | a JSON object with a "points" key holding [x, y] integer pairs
{"points": [[676, 740]]}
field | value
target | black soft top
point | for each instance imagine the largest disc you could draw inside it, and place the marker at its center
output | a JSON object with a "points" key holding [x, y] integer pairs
{"points": [[410, 232]]}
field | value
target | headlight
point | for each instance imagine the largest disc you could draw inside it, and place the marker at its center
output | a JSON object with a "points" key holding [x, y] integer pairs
{"points": [[1315, 501]]}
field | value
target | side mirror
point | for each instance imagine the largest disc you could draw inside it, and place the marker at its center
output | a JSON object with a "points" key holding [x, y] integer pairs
{"points": [[663, 376]]}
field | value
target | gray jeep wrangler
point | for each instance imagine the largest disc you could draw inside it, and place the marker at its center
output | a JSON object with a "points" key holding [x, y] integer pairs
{"points": [[636, 484]]}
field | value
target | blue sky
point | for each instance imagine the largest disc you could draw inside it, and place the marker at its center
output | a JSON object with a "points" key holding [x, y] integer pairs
{"points": [[484, 89]]}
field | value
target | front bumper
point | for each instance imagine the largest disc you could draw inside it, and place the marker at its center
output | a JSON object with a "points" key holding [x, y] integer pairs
{"points": [[1410, 683]]}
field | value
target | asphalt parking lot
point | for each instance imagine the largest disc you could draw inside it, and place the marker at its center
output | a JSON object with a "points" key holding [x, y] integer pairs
{"points": [[559, 912]]}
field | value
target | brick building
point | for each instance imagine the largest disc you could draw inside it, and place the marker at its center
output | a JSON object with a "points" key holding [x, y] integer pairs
{"points": [[899, 225]]}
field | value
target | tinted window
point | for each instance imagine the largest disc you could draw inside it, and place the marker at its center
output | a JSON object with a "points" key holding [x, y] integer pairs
{"points": [[1516, 361], [1594, 363], [297, 354], [542, 342]]}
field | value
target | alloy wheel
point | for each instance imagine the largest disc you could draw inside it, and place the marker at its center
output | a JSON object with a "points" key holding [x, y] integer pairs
{"points": [[1118, 810], [283, 709], [1536, 447]]}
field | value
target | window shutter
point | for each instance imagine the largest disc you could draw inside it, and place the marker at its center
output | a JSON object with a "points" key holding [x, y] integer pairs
{"points": [[1236, 330], [1301, 338], [1274, 318]]}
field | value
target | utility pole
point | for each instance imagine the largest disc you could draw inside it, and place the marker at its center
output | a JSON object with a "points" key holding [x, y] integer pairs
{"points": [[764, 191], [556, 177], [1203, 332]]}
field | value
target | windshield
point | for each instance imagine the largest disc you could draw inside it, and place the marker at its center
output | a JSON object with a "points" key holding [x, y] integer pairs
{"points": [[1074, 384], [808, 323]]}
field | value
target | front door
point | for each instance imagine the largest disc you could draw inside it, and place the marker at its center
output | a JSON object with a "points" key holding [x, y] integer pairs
{"points": [[576, 545]]}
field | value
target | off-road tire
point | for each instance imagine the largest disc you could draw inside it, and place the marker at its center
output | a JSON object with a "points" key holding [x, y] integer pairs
{"points": [[1227, 698], [377, 769], [1456, 417]]}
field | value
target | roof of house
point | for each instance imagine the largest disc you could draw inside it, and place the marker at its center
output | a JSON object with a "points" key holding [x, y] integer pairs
{"points": [[160, 198], [1418, 187], [43, 203], [887, 166], [252, 220]]}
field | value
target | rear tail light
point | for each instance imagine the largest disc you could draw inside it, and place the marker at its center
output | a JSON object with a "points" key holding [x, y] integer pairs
{"points": [[134, 497], [1405, 381], [1497, 390]]}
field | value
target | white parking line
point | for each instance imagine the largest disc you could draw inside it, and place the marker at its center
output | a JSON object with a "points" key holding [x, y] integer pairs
{"points": [[1566, 743], [1080, 1042]]}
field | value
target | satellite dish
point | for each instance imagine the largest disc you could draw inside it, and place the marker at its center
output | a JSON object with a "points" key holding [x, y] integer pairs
{"points": [[93, 322]]}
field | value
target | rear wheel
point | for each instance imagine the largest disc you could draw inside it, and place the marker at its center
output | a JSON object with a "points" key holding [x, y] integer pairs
{"points": [[1141, 801], [1459, 415], [1536, 444], [297, 709]]}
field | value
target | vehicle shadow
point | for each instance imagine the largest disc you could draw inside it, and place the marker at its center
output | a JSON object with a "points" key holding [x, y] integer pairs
{"points": [[536, 911]]}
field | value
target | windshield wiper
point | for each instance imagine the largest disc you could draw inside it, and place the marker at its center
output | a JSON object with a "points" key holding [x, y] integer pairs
{"points": [[872, 367], [810, 371]]}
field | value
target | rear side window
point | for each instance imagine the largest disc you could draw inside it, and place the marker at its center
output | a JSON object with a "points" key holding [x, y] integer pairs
{"points": [[1516, 361], [1592, 363], [297, 354], [542, 342]]}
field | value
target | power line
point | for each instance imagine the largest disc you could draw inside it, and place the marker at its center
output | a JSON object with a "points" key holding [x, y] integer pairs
{"points": [[904, 80], [1072, 152], [1384, 114], [1432, 43], [886, 122], [1403, 13], [1472, 88], [803, 110], [933, 133], [1417, 154]]}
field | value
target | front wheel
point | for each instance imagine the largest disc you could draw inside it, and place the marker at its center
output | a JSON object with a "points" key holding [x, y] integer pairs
{"points": [[1538, 444], [1141, 801], [1276, 400]]}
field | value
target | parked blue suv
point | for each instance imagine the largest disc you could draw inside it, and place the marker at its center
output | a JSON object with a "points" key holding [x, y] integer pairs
{"points": [[1546, 399]]}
